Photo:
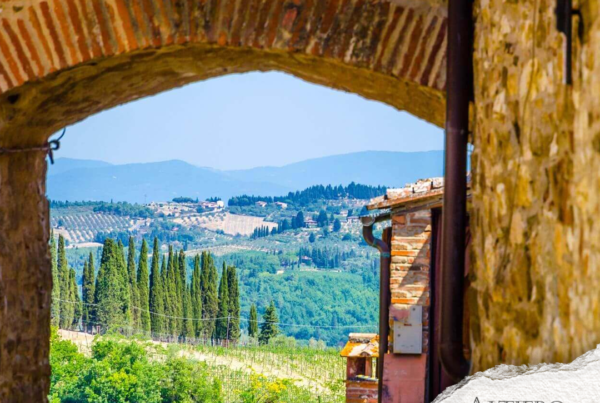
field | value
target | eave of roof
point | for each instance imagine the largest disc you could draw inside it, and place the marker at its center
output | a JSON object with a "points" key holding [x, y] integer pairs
{"points": [[361, 346], [426, 193]]}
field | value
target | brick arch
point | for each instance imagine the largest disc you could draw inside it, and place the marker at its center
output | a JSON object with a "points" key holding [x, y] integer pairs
{"points": [[63, 60]]}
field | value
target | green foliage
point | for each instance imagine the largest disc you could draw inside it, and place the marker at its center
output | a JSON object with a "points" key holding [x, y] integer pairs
{"points": [[298, 221], [322, 219], [326, 258], [233, 331], [142, 288], [210, 301], [67, 299], [87, 288], [186, 298], [253, 322], [269, 328], [337, 225], [222, 322], [173, 306], [134, 298], [110, 294], [120, 372], [261, 232], [156, 301], [74, 295], [196, 297], [253, 262], [124, 209], [319, 299], [262, 390], [306, 196], [185, 200], [55, 307]]}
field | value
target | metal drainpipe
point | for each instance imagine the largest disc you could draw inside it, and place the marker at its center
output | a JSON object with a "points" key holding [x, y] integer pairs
{"points": [[459, 94], [384, 290]]}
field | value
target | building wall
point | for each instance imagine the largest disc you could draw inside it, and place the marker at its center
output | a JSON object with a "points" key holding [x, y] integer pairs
{"points": [[409, 270], [536, 193], [361, 391], [405, 374]]}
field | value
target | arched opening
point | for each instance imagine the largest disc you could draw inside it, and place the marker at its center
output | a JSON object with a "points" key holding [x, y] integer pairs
{"points": [[199, 104], [75, 58]]}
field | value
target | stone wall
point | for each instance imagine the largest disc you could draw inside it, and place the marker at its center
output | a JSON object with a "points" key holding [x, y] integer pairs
{"points": [[25, 279], [536, 193]]}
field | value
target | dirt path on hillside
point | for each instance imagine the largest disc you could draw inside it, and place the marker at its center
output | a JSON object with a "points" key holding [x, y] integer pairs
{"points": [[83, 341]]}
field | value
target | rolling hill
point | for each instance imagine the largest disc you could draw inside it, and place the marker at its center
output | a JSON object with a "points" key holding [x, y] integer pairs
{"points": [[387, 168], [73, 180], [157, 181]]}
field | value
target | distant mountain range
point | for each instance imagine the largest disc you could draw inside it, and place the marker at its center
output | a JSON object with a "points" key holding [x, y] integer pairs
{"points": [[74, 180]]}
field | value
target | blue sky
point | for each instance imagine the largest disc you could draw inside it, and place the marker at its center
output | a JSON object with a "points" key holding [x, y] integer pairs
{"points": [[246, 120]]}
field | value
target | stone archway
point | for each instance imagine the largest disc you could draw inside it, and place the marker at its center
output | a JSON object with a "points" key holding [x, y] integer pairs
{"points": [[64, 60]]}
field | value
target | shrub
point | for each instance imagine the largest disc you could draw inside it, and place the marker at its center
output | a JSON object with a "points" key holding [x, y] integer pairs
{"points": [[120, 371]]}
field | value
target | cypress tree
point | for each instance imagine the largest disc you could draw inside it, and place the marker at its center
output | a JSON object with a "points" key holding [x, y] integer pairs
{"points": [[299, 221], [196, 297], [337, 225], [84, 309], [124, 294], [210, 299], [87, 291], [164, 285], [111, 307], [269, 328], [142, 286], [234, 303], [132, 285], [55, 306], [77, 307], [171, 297], [187, 326], [322, 219], [182, 270], [223, 312], [67, 308], [156, 299], [253, 322], [164, 288]]}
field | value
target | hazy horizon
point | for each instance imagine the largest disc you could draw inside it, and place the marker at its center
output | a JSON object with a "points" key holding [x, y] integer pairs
{"points": [[245, 121], [243, 169]]}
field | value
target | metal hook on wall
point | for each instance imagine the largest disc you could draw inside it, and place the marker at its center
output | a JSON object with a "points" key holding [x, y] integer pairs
{"points": [[564, 23]]}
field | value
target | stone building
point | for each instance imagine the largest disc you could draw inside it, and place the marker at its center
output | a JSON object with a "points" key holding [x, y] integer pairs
{"points": [[412, 369], [534, 128]]}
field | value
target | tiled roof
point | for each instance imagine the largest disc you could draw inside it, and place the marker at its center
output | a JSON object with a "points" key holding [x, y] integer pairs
{"points": [[361, 345], [423, 191]]}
